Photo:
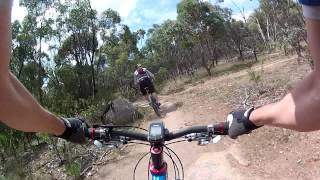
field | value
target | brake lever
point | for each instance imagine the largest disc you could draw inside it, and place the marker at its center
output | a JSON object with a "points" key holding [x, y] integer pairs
{"points": [[203, 141], [112, 142], [208, 140], [216, 139], [124, 140], [203, 138], [97, 143], [193, 136]]}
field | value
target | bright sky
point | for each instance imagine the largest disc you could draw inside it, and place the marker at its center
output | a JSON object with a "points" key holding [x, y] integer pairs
{"points": [[144, 13]]}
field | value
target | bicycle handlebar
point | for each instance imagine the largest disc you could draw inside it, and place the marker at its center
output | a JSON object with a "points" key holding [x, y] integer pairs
{"points": [[217, 129], [105, 132], [186, 131], [132, 135]]}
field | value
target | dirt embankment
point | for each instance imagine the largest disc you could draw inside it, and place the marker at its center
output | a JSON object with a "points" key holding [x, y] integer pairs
{"points": [[268, 153]]}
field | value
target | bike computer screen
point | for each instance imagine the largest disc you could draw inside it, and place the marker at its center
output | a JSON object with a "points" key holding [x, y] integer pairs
{"points": [[156, 131]]}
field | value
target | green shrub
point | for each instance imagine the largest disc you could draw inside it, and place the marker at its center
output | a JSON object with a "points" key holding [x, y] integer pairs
{"points": [[43, 137], [73, 169], [162, 74], [92, 113], [254, 76], [16, 168]]}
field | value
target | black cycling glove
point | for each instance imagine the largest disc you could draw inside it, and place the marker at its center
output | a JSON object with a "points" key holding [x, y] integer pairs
{"points": [[76, 130], [239, 123]]}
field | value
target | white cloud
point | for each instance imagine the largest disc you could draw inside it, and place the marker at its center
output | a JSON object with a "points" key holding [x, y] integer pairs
{"points": [[137, 20], [123, 7], [233, 3], [239, 16], [165, 2], [144, 16], [18, 13], [159, 16], [239, 7], [168, 15]]}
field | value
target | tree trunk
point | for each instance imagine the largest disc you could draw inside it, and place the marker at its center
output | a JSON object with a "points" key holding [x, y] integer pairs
{"points": [[260, 30], [298, 48], [240, 53], [21, 66], [20, 69], [94, 90], [205, 65], [255, 54], [208, 71], [40, 72], [24, 143], [2, 158], [268, 30], [285, 48]]}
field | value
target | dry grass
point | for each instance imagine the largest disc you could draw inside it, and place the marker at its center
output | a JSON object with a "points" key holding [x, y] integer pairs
{"points": [[182, 82]]}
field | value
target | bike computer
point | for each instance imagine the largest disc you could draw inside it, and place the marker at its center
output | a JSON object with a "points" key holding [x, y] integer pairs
{"points": [[156, 131]]}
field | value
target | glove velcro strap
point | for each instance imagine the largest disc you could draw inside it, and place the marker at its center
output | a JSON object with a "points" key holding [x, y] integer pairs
{"points": [[247, 123], [68, 131]]}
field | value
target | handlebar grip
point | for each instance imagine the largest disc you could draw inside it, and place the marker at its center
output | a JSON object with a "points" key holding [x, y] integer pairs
{"points": [[221, 128], [91, 133], [97, 134]]}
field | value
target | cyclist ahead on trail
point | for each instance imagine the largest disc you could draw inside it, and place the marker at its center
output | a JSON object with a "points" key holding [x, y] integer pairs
{"points": [[144, 79]]}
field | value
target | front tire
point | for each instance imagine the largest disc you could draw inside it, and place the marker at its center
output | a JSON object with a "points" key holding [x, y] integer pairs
{"points": [[155, 107]]}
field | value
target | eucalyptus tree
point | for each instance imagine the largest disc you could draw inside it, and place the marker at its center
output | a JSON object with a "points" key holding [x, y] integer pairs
{"points": [[205, 23], [36, 30]]}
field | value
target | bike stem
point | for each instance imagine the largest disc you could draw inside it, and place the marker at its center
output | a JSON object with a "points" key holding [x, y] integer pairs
{"points": [[157, 166]]}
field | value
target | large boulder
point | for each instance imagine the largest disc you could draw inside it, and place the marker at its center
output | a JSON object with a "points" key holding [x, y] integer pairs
{"points": [[119, 112]]}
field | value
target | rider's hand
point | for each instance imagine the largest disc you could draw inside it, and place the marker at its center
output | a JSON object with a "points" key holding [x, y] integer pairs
{"points": [[76, 130], [239, 123]]}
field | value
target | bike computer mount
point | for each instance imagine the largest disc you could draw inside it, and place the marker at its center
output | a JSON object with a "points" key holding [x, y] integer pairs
{"points": [[156, 132]]}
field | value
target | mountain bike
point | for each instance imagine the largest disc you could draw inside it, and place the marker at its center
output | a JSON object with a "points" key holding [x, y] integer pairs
{"points": [[158, 138], [153, 102]]}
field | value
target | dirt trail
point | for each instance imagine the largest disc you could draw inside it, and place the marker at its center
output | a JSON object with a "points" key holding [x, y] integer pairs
{"points": [[223, 160]]}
